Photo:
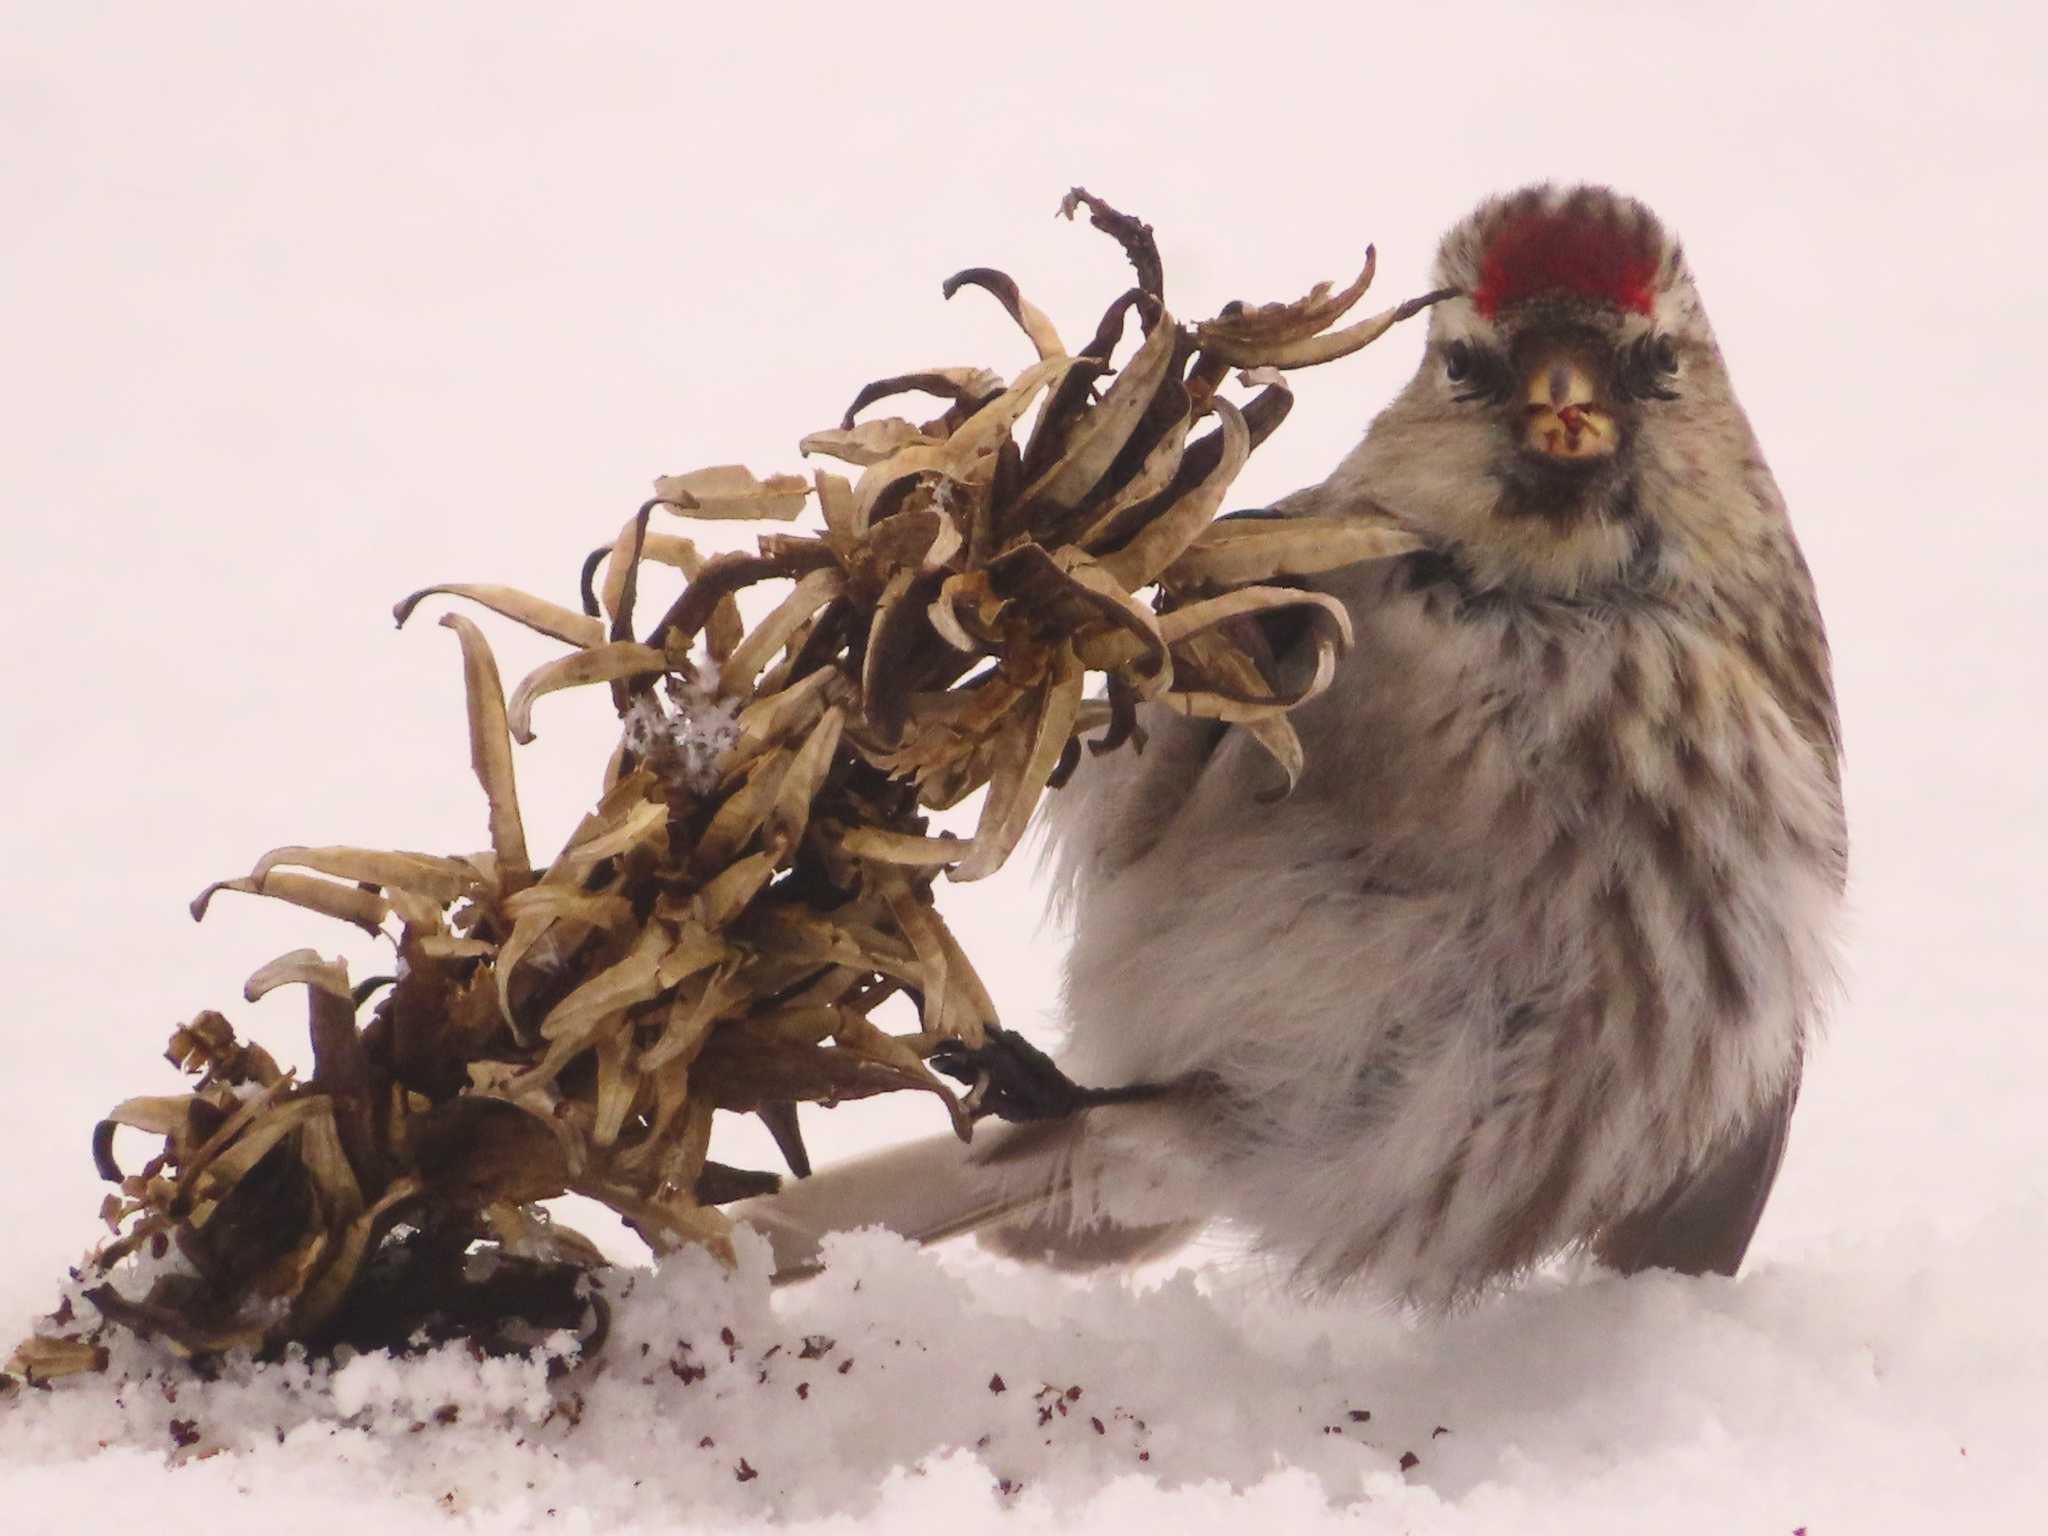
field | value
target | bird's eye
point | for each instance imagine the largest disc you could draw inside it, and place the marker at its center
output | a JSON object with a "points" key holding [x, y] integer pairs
{"points": [[1647, 366], [1477, 373]]}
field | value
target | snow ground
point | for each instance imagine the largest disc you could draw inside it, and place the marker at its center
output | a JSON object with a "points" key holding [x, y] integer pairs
{"points": [[309, 307], [1875, 1389]]}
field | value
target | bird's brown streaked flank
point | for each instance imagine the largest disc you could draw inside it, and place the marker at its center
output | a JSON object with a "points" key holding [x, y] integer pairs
{"points": [[1529, 957], [750, 901]]}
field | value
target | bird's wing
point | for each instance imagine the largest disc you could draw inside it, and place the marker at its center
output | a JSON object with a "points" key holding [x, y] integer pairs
{"points": [[1703, 1223], [1119, 805]]}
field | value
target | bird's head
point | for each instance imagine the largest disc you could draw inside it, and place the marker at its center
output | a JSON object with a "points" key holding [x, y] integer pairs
{"points": [[1570, 395]]}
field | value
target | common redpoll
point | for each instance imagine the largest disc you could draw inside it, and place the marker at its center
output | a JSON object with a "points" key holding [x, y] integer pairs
{"points": [[1529, 957]]}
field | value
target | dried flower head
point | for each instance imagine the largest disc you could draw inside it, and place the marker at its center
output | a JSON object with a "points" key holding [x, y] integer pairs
{"points": [[756, 878]]}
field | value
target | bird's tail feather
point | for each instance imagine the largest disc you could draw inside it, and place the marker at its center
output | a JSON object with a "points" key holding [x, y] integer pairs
{"points": [[925, 1190], [1014, 1186]]}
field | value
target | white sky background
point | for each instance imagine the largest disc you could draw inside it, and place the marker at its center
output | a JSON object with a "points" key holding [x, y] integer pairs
{"points": [[305, 307]]}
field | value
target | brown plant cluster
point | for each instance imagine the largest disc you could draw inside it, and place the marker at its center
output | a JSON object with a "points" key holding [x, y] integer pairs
{"points": [[756, 878]]}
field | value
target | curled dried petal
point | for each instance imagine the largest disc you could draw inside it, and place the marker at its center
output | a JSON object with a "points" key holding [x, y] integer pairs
{"points": [[600, 664], [490, 752], [1026, 754], [1307, 351], [1166, 538], [732, 491], [1228, 553], [1029, 317], [535, 613], [351, 904]]}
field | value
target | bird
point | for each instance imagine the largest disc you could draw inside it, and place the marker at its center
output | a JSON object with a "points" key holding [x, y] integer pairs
{"points": [[1530, 959]]}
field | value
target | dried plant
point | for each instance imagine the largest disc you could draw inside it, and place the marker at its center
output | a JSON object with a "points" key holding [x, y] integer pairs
{"points": [[756, 878]]}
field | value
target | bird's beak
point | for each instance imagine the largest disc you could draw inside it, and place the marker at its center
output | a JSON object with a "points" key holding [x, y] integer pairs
{"points": [[1563, 417]]}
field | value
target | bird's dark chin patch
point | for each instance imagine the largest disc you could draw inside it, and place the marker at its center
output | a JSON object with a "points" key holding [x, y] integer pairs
{"points": [[1563, 492]]}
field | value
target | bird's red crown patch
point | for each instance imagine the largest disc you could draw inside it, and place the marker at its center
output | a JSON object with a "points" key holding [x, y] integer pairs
{"points": [[1567, 251]]}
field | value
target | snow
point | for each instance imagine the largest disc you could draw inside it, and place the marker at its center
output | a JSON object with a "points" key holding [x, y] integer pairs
{"points": [[1868, 1390], [307, 309], [693, 730]]}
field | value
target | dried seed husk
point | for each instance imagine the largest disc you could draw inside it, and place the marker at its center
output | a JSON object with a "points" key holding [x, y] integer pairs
{"points": [[1167, 537], [932, 958], [670, 1086], [968, 455], [1307, 351], [622, 574], [600, 664], [626, 822], [945, 617], [687, 1024], [773, 633], [1227, 554], [722, 898], [441, 946], [732, 491], [868, 443], [741, 813], [599, 909], [628, 819], [536, 613], [1090, 450], [1110, 524], [741, 1073], [672, 550], [709, 593], [1134, 235], [807, 941], [1026, 752], [321, 1152], [1065, 407], [160, 1115], [862, 1036], [634, 978], [350, 903], [899, 619], [969, 386], [1283, 745], [230, 1131], [42, 1358], [618, 1086], [1087, 588], [490, 753], [485, 1151], [837, 505], [905, 848], [441, 880], [976, 1010], [1227, 686], [1031, 320], [1177, 624], [320, 1299], [784, 714], [800, 785], [1249, 328], [305, 967], [217, 1175]]}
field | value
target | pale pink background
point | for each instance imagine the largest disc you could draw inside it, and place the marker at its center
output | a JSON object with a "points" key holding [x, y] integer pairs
{"points": [[305, 306]]}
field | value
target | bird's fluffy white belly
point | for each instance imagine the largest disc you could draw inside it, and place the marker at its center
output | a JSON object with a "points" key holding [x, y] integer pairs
{"points": [[1382, 975]]}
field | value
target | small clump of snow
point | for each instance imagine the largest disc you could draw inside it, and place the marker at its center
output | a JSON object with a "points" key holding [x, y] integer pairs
{"points": [[689, 735]]}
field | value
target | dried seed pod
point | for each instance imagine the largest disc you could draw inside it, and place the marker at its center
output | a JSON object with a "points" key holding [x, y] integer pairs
{"points": [[757, 880]]}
